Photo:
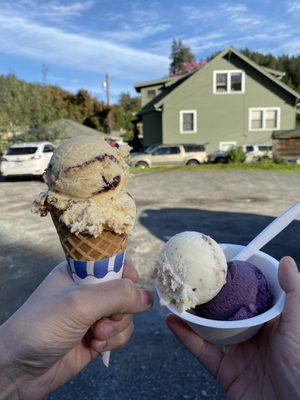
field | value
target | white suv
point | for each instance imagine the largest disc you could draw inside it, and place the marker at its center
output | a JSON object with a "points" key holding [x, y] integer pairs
{"points": [[26, 159], [256, 151]]}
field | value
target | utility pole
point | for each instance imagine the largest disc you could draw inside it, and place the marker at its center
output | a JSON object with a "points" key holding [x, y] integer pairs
{"points": [[106, 85]]}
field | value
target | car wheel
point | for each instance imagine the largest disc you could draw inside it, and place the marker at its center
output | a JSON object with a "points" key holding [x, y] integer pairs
{"points": [[193, 162], [142, 164]]}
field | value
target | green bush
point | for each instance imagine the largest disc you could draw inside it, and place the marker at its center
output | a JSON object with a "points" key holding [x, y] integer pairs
{"points": [[236, 155]]}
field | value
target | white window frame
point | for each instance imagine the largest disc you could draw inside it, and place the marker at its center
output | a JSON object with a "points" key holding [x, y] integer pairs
{"points": [[264, 109], [232, 143], [194, 112], [228, 72]]}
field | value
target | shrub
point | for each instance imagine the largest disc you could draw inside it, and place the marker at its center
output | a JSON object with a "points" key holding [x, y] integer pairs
{"points": [[236, 155]]}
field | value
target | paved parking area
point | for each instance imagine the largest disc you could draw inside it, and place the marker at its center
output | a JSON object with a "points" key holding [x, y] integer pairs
{"points": [[231, 206]]}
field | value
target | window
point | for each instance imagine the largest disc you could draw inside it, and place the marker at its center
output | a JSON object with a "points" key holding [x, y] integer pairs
{"points": [[221, 83], [188, 121], [160, 151], [249, 148], [271, 119], [20, 151], [151, 93], [257, 119], [225, 146], [174, 150], [264, 119], [236, 82], [265, 148], [192, 148], [48, 148], [228, 82]]}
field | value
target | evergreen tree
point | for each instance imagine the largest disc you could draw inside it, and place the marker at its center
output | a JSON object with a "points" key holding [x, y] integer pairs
{"points": [[180, 54]]}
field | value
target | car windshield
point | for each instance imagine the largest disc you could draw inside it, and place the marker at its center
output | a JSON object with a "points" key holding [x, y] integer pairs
{"points": [[20, 151]]}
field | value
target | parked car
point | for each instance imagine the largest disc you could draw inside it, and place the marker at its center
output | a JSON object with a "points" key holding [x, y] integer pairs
{"points": [[255, 152], [220, 157], [26, 159], [183, 154]]}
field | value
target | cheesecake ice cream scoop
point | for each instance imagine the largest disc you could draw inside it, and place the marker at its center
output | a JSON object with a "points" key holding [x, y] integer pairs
{"points": [[191, 270], [87, 183]]}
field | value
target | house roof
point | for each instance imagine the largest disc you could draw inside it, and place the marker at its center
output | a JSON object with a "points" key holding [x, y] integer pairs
{"points": [[170, 86], [69, 128], [167, 81], [291, 134], [158, 101], [262, 70], [274, 72]]}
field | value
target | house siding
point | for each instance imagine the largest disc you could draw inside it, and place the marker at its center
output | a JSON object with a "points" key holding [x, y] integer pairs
{"points": [[224, 117], [152, 128], [144, 96]]}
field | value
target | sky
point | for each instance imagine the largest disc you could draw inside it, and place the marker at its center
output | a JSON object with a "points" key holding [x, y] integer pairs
{"points": [[79, 41]]}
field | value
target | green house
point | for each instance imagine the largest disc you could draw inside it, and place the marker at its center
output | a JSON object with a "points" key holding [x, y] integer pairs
{"points": [[230, 101]]}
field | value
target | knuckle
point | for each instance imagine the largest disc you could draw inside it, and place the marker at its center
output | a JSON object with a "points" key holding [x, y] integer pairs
{"points": [[129, 291]]}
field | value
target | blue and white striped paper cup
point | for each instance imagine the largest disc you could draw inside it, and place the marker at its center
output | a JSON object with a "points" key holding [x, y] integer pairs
{"points": [[91, 272]]}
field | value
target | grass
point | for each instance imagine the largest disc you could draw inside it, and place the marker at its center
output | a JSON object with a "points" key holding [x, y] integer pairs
{"points": [[260, 166]]}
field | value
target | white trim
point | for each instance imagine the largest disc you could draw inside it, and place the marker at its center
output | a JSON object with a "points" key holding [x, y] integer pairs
{"points": [[228, 72], [90, 267], [232, 143], [181, 112], [264, 109], [111, 263]]}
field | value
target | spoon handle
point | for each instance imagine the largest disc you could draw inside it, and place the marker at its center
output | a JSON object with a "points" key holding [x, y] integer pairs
{"points": [[273, 229]]}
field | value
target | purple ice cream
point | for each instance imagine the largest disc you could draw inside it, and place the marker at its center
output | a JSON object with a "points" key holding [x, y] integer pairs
{"points": [[245, 294]]}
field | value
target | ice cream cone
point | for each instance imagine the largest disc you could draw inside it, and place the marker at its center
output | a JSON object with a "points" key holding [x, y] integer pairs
{"points": [[91, 259]]}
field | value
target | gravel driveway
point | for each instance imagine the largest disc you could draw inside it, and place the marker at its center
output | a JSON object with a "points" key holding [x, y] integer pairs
{"points": [[231, 206]]}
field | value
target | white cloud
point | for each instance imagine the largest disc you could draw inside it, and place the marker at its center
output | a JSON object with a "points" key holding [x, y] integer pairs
{"points": [[129, 32], [291, 46], [193, 14], [240, 15], [26, 38], [70, 9], [293, 7], [53, 11]]}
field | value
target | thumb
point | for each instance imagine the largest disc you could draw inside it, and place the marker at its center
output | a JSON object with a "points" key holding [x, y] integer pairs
{"points": [[119, 296], [289, 279], [208, 354]]}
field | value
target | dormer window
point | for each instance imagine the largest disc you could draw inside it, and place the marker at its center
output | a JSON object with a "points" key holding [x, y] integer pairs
{"points": [[151, 93], [227, 82]]}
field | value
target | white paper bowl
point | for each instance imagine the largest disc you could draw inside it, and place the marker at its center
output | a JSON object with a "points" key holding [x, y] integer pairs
{"points": [[231, 332]]}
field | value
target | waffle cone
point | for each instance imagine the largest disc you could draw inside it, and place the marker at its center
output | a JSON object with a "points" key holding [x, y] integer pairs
{"points": [[86, 247]]}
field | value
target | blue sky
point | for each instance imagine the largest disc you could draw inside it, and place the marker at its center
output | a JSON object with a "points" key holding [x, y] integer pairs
{"points": [[81, 40]]}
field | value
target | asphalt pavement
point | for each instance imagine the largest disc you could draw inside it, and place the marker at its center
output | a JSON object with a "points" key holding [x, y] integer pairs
{"points": [[231, 206]]}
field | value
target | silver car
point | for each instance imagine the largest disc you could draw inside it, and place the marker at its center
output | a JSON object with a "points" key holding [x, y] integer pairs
{"points": [[171, 155]]}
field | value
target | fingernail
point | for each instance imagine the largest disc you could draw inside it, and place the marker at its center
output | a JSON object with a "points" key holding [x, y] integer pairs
{"points": [[146, 297], [100, 344], [291, 262]]}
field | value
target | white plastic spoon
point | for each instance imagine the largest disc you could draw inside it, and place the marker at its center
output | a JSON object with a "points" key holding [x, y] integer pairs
{"points": [[273, 229]]}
